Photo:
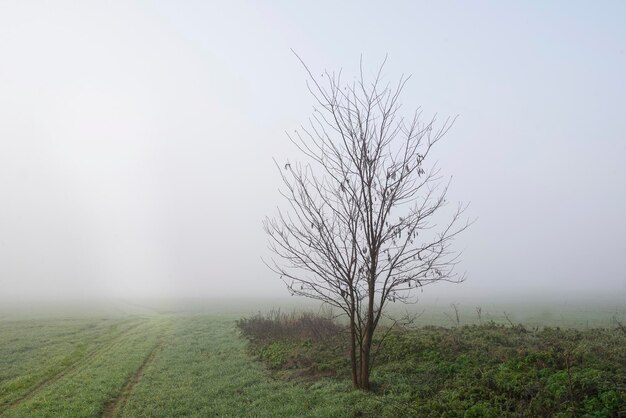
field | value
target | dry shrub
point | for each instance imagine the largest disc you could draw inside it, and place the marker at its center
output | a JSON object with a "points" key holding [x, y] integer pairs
{"points": [[277, 325]]}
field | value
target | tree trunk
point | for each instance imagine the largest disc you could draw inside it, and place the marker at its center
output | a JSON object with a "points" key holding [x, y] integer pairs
{"points": [[367, 340], [365, 359], [365, 373], [355, 377]]}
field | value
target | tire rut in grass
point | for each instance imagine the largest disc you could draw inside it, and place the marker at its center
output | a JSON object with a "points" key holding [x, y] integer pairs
{"points": [[115, 406], [71, 368]]}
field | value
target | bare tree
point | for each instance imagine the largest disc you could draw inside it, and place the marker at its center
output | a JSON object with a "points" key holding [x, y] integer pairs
{"points": [[360, 230]]}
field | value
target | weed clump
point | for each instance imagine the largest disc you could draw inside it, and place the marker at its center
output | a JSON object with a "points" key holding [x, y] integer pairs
{"points": [[279, 325]]}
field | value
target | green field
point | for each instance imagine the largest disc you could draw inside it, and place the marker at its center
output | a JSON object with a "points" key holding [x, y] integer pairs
{"points": [[164, 364], [159, 365]]}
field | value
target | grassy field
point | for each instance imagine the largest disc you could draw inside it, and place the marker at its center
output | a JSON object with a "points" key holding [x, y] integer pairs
{"points": [[158, 366], [72, 367], [159, 363]]}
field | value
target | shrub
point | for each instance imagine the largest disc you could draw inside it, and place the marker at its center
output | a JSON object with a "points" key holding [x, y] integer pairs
{"points": [[279, 325]]}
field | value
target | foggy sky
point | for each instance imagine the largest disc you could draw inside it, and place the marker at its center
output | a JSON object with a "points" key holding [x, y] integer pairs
{"points": [[136, 138]]}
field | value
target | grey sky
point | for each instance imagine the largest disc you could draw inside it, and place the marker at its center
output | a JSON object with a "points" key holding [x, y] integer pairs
{"points": [[137, 137]]}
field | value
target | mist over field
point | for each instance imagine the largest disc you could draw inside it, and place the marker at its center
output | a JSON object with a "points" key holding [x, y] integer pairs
{"points": [[136, 142]]}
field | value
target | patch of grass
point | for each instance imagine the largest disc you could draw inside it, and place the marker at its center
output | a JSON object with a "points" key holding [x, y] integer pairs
{"points": [[35, 351], [84, 386]]}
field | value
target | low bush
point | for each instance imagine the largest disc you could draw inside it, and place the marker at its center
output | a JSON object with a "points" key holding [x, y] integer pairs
{"points": [[277, 325]]}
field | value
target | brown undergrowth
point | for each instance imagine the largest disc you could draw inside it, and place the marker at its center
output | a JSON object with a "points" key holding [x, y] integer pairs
{"points": [[297, 345]]}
